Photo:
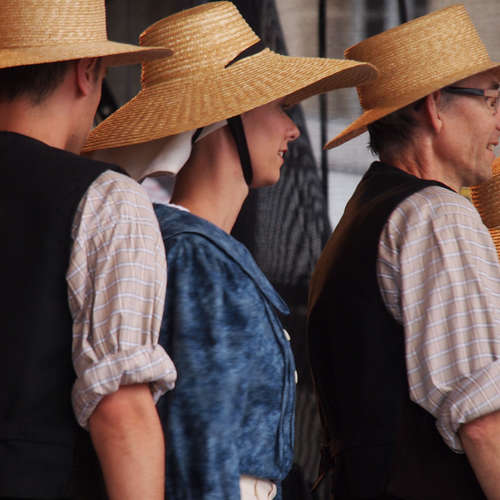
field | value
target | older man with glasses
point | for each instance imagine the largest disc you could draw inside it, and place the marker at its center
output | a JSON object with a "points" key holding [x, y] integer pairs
{"points": [[404, 313]]}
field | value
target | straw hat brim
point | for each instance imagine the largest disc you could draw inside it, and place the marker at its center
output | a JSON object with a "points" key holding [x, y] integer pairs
{"points": [[486, 199], [199, 99], [371, 115], [114, 53], [495, 236]]}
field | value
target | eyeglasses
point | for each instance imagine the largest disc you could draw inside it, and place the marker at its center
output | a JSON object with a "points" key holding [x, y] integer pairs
{"points": [[491, 95]]}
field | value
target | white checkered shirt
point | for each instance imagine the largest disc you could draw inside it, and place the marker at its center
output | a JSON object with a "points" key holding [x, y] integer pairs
{"points": [[116, 288], [439, 276]]}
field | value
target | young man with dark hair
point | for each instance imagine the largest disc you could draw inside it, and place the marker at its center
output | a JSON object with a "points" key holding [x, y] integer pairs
{"points": [[35, 81], [83, 266], [404, 306]]}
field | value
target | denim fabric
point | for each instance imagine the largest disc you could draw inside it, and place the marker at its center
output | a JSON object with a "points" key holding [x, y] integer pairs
{"points": [[232, 411]]}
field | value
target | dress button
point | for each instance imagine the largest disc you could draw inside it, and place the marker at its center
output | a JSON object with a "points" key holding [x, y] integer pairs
{"points": [[296, 375], [287, 335]]}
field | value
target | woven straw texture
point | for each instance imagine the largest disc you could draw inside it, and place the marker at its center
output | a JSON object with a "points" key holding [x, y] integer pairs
{"points": [[193, 88], [414, 60], [35, 32], [486, 198]]}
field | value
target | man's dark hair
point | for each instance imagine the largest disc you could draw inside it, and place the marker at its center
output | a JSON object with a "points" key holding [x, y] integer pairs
{"points": [[36, 81], [392, 132]]}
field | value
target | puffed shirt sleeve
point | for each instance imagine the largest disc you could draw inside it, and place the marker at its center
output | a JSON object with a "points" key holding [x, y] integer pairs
{"points": [[211, 340], [439, 276], [116, 288]]}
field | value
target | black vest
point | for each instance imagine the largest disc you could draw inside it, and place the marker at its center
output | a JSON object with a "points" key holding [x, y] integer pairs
{"points": [[382, 443], [39, 192]]}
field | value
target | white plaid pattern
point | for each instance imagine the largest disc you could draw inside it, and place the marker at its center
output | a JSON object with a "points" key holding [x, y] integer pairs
{"points": [[439, 275], [116, 288]]}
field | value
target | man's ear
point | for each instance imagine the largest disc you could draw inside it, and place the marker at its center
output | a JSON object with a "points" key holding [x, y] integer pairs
{"points": [[433, 111], [85, 70]]}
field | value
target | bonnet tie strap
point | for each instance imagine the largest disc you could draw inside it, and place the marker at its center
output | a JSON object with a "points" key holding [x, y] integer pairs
{"points": [[236, 128], [250, 51], [235, 123]]}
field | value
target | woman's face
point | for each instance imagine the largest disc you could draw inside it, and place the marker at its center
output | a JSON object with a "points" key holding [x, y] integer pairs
{"points": [[268, 130]]}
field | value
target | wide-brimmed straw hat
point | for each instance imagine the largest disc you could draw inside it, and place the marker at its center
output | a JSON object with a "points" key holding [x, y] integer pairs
{"points": [[486, 198], [414, 60], [198, 85], [45, 31]]}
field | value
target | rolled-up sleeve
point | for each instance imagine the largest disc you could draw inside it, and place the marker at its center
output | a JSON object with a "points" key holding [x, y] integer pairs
{"points": [[439, 275], [116, 289]]}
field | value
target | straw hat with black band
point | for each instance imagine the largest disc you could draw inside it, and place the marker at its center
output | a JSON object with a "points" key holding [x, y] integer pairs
{"points": [[414, 60], [36, 32], [219, 70], [486, 199]]}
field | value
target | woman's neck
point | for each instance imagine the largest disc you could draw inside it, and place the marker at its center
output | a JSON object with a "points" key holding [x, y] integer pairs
{"points": [[211, 184]]}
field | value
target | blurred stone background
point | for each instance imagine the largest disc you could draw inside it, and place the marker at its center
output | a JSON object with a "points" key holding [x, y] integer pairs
{"points": [[286, 226]]}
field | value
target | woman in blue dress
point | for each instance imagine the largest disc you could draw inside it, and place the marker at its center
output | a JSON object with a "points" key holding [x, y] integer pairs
{"points": [[214, 114]]}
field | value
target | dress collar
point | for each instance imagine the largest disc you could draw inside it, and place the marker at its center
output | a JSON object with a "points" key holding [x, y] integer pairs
{"points": [[174, 221]]}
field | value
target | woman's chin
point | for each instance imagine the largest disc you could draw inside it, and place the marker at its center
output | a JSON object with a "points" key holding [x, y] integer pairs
{"points": [[265, 181]]}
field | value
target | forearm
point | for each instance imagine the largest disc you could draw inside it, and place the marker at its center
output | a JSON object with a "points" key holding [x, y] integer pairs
{"points": [[128, 439], [481, 442]]}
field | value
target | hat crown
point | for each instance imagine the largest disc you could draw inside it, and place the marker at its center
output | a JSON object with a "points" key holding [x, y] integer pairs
{"points": [[204, 38], [420, 56], [32, 23]]}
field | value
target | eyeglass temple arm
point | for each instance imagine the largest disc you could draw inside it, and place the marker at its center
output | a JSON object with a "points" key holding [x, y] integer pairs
{"points": [[480, 92]]}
